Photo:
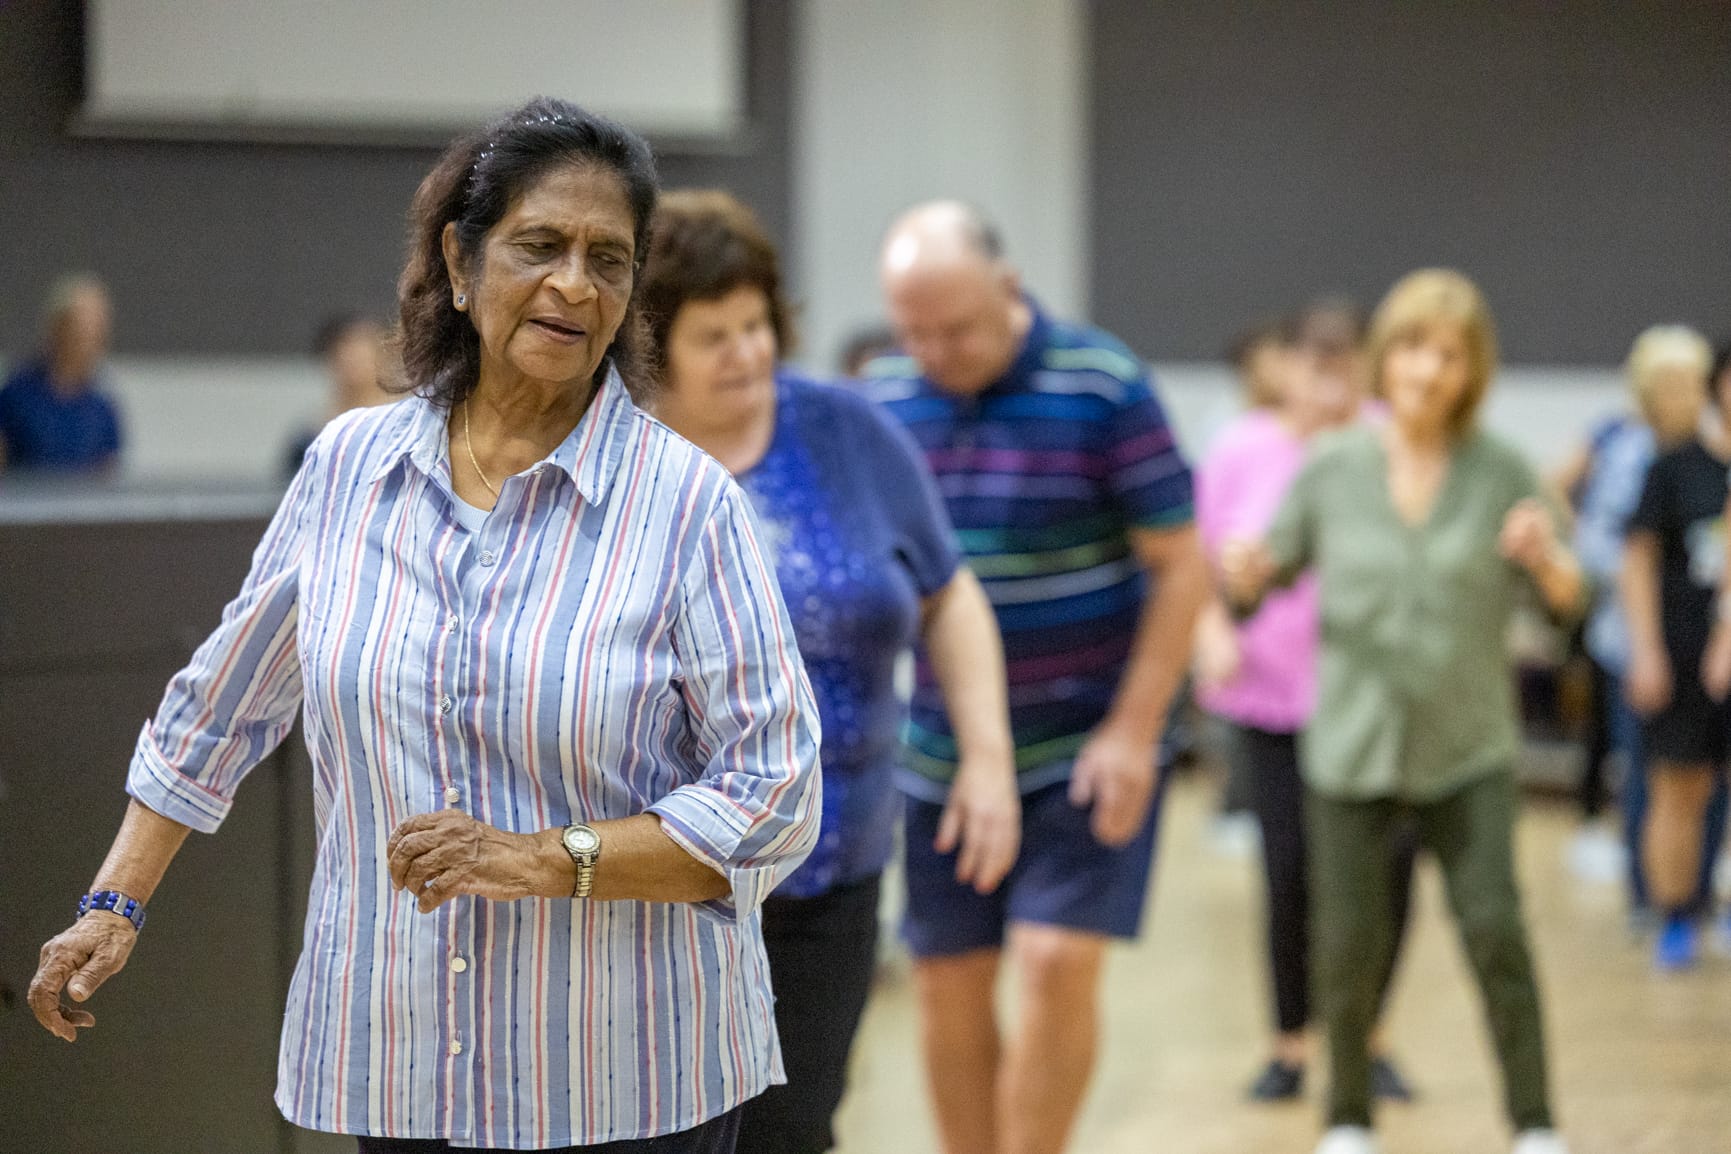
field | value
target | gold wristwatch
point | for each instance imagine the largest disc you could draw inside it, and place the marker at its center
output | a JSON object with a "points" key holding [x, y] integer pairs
{"points": [[584, 846]]}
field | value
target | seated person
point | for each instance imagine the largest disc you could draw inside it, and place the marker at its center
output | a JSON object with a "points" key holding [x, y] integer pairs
{"points": [[53, 415], [352, 348]]}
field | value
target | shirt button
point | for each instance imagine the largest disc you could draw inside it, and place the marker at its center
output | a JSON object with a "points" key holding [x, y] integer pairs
{"points": [[451, 621], [453, 795], [487, 557], [458, 965], [456, 1047], [445, 703]]}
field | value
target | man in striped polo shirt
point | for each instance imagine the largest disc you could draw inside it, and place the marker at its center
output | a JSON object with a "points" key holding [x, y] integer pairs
{"points": [[1073, 507]]}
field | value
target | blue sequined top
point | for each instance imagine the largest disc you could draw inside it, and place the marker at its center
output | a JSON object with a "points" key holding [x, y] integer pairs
{"points": [[859, 536]]}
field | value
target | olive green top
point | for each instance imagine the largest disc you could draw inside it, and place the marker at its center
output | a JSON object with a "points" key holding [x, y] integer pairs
{"points": [[1416, 693]]}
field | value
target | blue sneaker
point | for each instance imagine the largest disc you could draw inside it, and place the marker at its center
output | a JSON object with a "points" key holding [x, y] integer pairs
{"points": [[1678, 947]]}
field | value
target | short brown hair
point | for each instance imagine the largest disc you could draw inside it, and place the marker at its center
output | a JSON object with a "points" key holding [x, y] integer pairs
{"points": [[704, 244], [1438, 294]]}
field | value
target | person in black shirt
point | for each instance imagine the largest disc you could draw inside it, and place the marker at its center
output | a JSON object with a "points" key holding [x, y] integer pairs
{"points": [[1672, 563]]}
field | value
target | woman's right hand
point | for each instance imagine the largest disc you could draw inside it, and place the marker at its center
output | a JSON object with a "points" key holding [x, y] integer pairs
{"points": [[1246, 569], [1716, 663], [1218, 656], [78, 960], [1648, 682]]}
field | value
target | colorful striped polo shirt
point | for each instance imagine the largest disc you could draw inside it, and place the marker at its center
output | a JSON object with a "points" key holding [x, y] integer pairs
{"points": [[1045, 473]]}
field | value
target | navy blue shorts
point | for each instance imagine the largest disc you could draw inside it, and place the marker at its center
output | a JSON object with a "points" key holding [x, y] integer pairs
{"points": [[1063, 878]]}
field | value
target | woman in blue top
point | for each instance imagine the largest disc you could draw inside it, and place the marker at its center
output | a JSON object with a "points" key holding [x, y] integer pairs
{"points": [[868, 566]]}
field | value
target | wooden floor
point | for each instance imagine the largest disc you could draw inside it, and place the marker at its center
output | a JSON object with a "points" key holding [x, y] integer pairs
{"points": [[1641, 1063]]}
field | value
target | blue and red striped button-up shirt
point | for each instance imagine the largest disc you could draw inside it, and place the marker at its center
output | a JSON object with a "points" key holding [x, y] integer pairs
{"points": [[610, 641]]}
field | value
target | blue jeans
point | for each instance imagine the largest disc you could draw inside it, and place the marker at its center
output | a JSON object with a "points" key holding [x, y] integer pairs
{"points": [[1625, 727]]}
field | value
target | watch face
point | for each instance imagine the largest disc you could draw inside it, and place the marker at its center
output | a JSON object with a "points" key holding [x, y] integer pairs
{"points": [[582, 839]]}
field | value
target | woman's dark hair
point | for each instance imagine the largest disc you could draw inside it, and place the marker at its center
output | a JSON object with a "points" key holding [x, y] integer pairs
{"points": [[706, 245], [1332, 323], [1244, 345], [474, 185]]}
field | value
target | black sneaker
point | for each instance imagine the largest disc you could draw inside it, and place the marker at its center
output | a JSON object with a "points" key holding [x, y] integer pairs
{"points": [[1278, 1082], [1387, 1083]]}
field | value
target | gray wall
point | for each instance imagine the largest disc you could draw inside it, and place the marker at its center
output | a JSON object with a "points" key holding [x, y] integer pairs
{"points": [[94, 619], [1574, 158], [1240, 155], [243, 248]]}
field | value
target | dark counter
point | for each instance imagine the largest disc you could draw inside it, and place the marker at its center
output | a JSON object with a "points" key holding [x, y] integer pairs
{"points": [[104, 592]]}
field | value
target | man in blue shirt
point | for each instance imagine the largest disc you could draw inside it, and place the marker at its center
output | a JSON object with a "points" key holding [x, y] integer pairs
{"points": [[53, 418], [1072, 504]]}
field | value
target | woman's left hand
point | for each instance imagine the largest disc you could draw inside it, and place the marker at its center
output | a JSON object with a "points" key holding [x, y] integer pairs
{"points": [[1529, 536], [438, 856]]}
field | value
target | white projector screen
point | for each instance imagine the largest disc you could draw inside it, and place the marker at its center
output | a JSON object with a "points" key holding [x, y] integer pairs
{"points": [[407, 68]]}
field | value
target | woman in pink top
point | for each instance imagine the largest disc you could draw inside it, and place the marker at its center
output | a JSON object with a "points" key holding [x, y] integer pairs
{"points": [[1259, 674]]}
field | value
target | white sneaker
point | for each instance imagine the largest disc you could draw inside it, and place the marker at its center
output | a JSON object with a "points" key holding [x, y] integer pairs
{"points": [[1597, 856], [1541, 1142], [1354, 1140], [1235, 835]]}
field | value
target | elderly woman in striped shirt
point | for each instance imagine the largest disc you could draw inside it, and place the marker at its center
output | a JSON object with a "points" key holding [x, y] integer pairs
{"points": [[562, 739]]}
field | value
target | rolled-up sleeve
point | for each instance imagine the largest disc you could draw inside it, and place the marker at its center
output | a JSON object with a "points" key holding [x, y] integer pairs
{"points": [[238, 696], [753, 813]]}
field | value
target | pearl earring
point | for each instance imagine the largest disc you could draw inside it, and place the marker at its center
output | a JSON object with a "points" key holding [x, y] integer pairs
{"points": [[462, 299]]}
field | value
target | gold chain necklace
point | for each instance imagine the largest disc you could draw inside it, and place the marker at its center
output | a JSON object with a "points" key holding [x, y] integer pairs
{"points": [[470, 445]]}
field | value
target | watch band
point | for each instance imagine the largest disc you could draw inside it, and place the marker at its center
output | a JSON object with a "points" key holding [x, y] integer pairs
{"points": [[584, 860], [129, 908]]}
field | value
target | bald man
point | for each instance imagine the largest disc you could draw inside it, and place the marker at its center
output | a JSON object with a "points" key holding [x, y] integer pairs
{"points": [[54, 416], [1074, 507]]}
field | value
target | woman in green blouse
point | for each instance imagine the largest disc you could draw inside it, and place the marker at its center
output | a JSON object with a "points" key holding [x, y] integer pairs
{"points": [[1425, 532]]}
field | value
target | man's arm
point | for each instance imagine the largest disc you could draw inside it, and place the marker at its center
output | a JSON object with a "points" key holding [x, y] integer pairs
{"points": [[1116, 770]]}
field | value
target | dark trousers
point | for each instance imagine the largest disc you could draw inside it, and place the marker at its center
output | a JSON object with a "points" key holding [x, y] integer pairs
{"points": [[1623, 735], [1600, 740], [1269, 763], [1471, 832], [822, 955], [716, 1136]]}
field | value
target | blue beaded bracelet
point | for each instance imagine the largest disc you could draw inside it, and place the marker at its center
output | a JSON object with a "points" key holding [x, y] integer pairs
{"points": [[129, 908]]}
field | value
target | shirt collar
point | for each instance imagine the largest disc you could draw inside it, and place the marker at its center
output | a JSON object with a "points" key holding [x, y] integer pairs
{"points": [[590, 454], [1028, 357]]}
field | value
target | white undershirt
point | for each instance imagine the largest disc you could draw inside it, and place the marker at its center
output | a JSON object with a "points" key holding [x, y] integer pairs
{"points": [[471, 517]]}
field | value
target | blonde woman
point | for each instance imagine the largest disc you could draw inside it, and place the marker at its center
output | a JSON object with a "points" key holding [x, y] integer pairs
{"points": [[1607, 477], [1672, 564], [1424, 534]]}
